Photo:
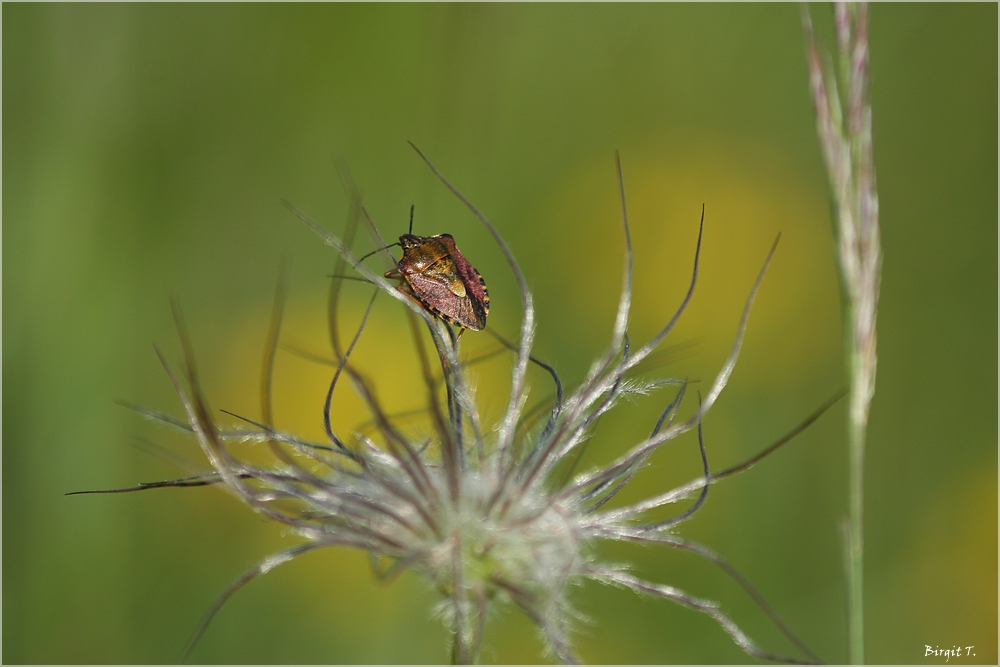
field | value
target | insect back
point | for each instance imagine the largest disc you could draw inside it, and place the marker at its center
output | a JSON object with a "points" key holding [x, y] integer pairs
{"points": [[437, 275]]}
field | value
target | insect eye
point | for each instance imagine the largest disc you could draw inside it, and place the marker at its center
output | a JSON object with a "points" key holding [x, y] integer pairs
{"points": [[446, 236]]}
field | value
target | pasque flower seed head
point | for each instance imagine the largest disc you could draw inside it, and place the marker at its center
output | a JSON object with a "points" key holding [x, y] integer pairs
{"points": [[486, 515]]}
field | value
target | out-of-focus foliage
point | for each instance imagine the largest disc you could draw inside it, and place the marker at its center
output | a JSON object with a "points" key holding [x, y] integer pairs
{"points": [[146, 148]]}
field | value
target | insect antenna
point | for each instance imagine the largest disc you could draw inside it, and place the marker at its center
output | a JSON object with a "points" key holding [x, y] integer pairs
{"points": [[386, 247], [341, 276], [374, 233], [412, 206]]}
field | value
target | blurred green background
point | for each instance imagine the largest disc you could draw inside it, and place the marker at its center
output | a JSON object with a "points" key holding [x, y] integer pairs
{"points": [[146, 148]]}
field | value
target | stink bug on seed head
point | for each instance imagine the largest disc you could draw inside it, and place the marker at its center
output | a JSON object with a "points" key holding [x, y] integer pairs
{"points": [[437, 275]]}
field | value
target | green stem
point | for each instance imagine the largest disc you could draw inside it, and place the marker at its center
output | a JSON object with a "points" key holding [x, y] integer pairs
{"points": [[854, 542], [852, 526], [859, 343]]}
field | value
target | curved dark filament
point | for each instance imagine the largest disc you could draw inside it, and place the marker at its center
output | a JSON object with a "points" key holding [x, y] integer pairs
{"points": [[620, 331], [414, 465], [643, 449], [272, 434], [704, 490], [710, 608], [351, 227], [740, 467], [282, 437], [529, 419], [407, 459], [394, 489], [532, 465], [398, 446], [671, 411], [557, 406], [658, 338], [204, 479], [267, 373], [803, 425], [354, 212], [394, 439], [437, 380], [326, 361], [737, 576], [206, 431], [752, 591], [336, 376], [263, 567]]}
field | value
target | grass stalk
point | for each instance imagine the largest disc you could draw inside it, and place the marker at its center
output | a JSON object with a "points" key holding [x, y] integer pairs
{"points": [[844, 125]]}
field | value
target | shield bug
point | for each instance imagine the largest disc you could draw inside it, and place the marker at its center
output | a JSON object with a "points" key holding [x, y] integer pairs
{"points": [[437, 275]]}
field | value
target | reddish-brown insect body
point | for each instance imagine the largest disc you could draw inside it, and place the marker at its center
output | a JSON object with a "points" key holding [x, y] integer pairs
{"points": [[442, 280]]}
